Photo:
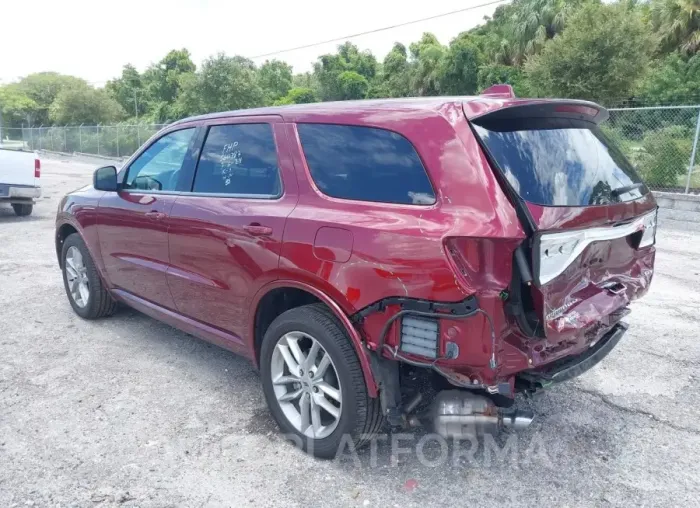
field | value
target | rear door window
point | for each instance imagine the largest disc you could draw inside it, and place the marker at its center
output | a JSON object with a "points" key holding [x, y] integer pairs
{"points": [[365, 163], [561, 162], [239, 159]]}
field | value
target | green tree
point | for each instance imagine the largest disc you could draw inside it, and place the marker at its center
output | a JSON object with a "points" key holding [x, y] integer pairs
{"points": [[223, 83], [304, 80], [275, 78], [460, 66], [395, 74], [43, 88], [675, 80], [599, 56], [85, 104], [352, 85], [16, 107], [678, 24], [129, 91], [426, 57], [163, 80], [328, 69], [520, 29], [297, 96], [534, 22]]}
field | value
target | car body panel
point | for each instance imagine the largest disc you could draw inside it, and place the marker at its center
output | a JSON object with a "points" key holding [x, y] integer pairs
{"points": [[223, 248], [133, 234]]}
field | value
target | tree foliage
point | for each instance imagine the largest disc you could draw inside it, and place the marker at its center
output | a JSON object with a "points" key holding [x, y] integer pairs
{"points": [[16, 107], [427, 57], [224, 83], [678, 23], [128, 90], [297, 96], [460, 67], [675, 80], [395, 76], [84, 104], [275, 78], [43, 88], [349, 62], [605, 49]]}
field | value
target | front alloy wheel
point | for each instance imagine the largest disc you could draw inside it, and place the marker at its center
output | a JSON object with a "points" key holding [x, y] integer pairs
{"points": [[306, 385], [76, 275], [86, 293]]}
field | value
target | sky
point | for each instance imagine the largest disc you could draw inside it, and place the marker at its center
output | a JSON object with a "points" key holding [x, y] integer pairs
{"points": [[93, 39]]}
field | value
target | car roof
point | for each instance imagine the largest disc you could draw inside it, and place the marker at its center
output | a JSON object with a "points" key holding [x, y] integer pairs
{"points": [[357, 106], [495, 98]]}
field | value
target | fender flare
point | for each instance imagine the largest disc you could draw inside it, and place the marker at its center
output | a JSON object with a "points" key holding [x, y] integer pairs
{"points": [[352, 332]]}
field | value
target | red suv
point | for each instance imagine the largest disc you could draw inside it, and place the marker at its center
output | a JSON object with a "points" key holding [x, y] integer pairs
{"points": [[492, 241]]}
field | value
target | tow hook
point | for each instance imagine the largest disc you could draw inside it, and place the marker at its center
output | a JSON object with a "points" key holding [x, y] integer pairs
{"points": [[458, 413]]}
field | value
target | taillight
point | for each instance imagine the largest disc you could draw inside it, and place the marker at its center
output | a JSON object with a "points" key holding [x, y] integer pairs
{"points": [[557, 251], [649, 235], [37, 168]]}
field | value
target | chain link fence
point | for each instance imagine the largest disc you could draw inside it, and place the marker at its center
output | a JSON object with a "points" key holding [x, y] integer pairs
{"points": [[660, 141], [105, 140]]}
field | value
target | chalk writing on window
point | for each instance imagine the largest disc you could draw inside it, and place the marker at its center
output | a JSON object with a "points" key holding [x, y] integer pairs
{"points": [[230, 158]]}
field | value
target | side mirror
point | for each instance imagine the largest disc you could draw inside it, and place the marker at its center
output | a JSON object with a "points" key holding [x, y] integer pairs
{"points": [[105, 179]]}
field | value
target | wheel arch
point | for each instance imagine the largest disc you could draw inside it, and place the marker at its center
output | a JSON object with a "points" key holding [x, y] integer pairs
{"points": [[297, 294], [66, 227], [63, 231]]}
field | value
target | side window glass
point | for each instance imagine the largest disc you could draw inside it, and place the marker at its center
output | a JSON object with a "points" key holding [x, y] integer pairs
{"points": [[239, 159], [157, 168], [365, 163]]}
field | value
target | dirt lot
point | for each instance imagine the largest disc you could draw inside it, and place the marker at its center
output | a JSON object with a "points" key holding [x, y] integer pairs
{"points": [[127, 411]]}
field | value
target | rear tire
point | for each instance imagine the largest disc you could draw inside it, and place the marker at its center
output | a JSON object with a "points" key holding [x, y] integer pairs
{"points": [[22, 210], [97, 302], [360, 417]]}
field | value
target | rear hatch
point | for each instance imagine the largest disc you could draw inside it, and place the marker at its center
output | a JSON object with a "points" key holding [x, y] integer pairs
{"points": [[590, 218]]}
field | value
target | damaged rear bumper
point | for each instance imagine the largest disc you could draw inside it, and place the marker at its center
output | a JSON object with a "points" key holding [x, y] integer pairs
{"points": [[572, 366]]}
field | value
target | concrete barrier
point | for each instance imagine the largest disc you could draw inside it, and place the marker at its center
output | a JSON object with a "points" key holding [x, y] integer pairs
{"points": [[674, 201]]}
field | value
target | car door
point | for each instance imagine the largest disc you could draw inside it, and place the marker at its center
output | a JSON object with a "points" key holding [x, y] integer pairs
{"points": [[133, 222], [226, 235]]}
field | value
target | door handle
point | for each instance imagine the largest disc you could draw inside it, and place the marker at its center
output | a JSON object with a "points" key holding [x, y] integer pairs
{"points": [[258, 230], [155, 215]]}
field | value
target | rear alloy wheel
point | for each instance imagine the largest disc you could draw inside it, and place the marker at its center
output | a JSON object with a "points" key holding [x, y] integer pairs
{"points": [[306, 385], [22, 210], [314, 384], [87, 295]]}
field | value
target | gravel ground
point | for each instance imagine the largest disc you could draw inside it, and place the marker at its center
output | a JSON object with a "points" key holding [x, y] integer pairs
{"points": [[130, 412]]}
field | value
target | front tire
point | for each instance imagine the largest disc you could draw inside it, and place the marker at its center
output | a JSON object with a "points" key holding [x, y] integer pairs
{"points": [[314, 384], [86, 294], [22, 209]]}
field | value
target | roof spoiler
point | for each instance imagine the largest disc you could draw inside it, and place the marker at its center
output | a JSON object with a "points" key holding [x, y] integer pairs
{"points": [[499, 92], [527, 110]]}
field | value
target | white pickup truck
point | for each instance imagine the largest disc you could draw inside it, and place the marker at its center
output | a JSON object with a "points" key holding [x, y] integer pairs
{"points": [[19, 179]]}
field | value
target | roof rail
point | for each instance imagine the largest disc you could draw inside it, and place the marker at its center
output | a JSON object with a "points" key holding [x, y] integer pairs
{"points": [[499, 91]]}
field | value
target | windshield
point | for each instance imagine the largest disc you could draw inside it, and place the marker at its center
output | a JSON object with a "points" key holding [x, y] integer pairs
{"points": [[555, 163]]}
